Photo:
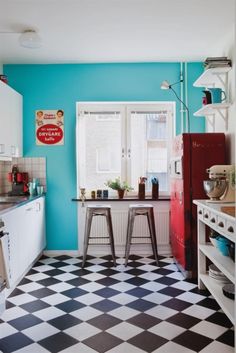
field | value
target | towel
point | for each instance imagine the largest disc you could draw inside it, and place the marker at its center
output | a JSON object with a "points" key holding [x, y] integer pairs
{"points": [[5, 271]]}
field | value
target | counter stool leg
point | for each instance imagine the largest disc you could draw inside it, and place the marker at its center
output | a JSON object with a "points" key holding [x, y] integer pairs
{"points": [[111, 236], [88, 223], [130, 228], [151, 225]]}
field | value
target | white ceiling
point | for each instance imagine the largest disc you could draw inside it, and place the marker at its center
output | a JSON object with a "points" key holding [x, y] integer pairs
{"points": [[115, 30]]}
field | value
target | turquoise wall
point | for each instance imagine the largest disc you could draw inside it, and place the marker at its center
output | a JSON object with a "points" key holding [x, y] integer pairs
{"points": [[60, 87]]}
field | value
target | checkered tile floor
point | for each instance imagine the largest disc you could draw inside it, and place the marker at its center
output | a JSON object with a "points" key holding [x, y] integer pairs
{"points": [[59, 307]]}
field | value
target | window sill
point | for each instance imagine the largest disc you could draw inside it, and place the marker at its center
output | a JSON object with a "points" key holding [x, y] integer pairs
{"points": [[126, 198]]}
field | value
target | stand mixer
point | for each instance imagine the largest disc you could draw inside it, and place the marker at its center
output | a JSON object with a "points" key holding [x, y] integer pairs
{"points": [[221, 186]]}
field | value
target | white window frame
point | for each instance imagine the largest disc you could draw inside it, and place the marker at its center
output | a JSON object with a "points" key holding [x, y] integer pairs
{"points": [[125, 109]]}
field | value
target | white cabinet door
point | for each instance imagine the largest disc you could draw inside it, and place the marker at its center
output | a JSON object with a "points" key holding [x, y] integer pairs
{"points": [[25, 223], [5, 121], [9, 220], [16, 124], [36, 228], [39, 227], [10, 122], [31, 231], [26, 227]]}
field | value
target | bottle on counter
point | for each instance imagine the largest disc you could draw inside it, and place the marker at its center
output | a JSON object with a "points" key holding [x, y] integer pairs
{"points": [[141, 188], [155, 188]]}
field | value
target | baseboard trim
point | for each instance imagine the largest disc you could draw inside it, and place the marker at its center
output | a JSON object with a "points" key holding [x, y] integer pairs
{"points": [[72, 253], [101, 250]]}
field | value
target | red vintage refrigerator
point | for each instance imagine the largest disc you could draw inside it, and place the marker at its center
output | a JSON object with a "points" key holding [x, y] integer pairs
{"points": [[192, 154]]}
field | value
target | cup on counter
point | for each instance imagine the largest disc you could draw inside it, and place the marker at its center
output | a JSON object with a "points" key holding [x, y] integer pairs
{"points": [[31, 187], [35, 181], [40, 190]]}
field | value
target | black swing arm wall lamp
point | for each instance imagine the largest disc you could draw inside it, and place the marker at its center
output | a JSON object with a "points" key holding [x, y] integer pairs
{"points": [[166, 85]]}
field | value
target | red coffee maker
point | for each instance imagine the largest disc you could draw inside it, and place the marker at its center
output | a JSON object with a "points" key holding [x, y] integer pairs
{"points": [[19, 182]]}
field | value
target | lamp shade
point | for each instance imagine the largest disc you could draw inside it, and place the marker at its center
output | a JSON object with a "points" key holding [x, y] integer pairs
{"points": [[165, 85], [30, 39]]}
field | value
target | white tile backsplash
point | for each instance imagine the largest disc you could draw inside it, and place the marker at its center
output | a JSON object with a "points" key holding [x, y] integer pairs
{"points": [[36, 167]]}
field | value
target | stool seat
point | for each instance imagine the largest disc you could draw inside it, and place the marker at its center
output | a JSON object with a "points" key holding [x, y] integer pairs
{"points": [[141, 210], [139, 205], [98, 210], [99, 206]]}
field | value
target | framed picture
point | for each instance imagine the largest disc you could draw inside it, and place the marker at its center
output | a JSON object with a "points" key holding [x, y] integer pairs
{"points": [[49, 127]]}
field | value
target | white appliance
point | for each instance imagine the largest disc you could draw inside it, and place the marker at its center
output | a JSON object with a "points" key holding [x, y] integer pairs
{"points": [[224, 172], [5, 272]]}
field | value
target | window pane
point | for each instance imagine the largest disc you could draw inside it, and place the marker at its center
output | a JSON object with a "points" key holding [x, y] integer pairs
{"points": [[102, 149], [138, 146], [149, 153]]}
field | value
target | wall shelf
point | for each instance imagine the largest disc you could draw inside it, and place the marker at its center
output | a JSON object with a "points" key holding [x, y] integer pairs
{"points": [[215, 77], [210, 110], [209, 77]]}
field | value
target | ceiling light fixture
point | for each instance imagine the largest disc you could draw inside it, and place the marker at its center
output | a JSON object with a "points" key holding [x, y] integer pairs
{"points": [[30, 39], [166, 85]]}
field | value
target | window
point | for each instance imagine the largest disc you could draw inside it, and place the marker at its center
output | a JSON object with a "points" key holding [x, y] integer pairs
{"points": [[123, 140]]}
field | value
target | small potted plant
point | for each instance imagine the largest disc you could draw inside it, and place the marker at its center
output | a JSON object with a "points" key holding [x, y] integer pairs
{"points": [[121, 187]]}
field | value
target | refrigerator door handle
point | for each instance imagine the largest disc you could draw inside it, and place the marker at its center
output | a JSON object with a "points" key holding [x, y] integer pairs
{"points": [[180, 197]]}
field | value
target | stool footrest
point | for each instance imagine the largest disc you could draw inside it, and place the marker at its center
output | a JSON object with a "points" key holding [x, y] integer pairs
{"points": [[99, 244], [141, 237], [98, 237], [139, 243]]}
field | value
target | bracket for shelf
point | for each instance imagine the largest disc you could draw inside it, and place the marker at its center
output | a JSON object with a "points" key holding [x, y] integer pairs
{"points": [[224, 117], [211, 121]]}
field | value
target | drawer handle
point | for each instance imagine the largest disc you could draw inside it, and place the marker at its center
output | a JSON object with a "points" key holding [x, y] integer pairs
{"points": [[213, 220], [231, 229], [29, 209], [200, 212], [206, 215], [221, 224]]}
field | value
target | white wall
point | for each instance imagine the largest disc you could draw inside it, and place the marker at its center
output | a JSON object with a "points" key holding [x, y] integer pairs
{"points": [[227, 48], [1, 68]]}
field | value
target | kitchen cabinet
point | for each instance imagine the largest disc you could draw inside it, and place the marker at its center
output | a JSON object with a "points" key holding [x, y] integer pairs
{"points": [[209, 214], [26, 227], [215, 77], [10, 122]]}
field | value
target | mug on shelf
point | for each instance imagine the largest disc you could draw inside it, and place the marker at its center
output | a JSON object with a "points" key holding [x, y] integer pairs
{"points": [[217, 95]]}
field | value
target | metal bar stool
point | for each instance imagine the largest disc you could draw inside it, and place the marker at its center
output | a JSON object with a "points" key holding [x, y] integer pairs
{"points": [[98, 210], [141, 210]]}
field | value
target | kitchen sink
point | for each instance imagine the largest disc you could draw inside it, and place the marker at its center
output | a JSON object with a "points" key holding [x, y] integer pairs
{"points": [[12, 199]]}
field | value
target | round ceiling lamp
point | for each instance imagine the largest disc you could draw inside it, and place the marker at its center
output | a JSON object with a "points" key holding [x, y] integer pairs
{"points": [[30, 39]]}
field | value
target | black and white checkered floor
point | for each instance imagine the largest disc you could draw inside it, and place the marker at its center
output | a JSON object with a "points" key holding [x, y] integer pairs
{"points": [[59, 307]]}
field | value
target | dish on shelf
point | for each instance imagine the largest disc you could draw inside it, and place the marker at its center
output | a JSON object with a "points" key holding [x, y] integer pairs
{"points": [[214, 270], [217, 275], [229, 290]]}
